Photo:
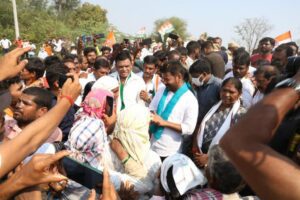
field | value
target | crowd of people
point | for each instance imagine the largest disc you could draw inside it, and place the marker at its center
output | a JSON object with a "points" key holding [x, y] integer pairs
{"points": [[180, 120]]}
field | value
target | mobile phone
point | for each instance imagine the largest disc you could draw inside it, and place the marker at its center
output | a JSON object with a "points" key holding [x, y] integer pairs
{"points": [[62, 78], [109, 105], [83, 174]]}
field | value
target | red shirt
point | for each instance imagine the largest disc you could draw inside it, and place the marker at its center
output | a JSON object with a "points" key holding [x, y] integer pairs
{"points": [[257, 57]]}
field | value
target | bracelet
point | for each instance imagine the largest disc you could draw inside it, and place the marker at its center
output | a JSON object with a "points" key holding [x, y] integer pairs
{"points": [[126, 160], [71, 101]]}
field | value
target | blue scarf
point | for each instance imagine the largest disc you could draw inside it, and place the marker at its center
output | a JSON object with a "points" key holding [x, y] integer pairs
{"points": [[164, 114]]}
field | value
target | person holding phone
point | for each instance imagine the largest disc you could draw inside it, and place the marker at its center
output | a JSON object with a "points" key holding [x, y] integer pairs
{"points": [[88, 137]]}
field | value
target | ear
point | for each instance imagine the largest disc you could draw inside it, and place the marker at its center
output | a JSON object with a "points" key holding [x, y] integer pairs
{"points": [[55, 84], [41, 111]]}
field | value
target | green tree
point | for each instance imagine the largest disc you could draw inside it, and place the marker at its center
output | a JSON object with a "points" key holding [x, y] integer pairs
{"points": [[66, 5], [180, 26], [88, 19]]}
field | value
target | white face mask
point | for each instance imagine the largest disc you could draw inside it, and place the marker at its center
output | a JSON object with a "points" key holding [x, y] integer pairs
{"points": [[197, 82]]}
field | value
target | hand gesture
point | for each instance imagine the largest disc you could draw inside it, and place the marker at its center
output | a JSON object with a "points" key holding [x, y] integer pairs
{"points": [[71, 88], [41, 169], [127, 191], [9, 66], [200, 159], [144, 96], [108, 189], [156, 119]]}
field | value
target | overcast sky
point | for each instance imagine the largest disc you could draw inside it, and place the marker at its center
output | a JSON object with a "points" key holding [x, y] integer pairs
{"points": [[217, 18]]}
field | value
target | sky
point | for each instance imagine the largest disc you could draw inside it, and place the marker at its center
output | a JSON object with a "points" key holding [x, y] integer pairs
{"points": [[217, 18]]}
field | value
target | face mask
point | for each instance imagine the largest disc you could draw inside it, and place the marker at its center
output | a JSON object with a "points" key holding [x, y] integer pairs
{"points": [[197, 82]]}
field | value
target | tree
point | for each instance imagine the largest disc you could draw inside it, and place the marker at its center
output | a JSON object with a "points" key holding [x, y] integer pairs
{"points": [[251, 30], [89, 19], [66, 5], [180, 26]]}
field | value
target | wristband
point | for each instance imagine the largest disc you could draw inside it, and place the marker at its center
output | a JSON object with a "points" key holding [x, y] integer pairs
{"points": [[126, 160], [71, 101]]}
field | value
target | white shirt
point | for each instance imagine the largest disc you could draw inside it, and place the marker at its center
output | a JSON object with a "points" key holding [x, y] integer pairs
{"points": [[131, 92], [247, 91], [83, 82], [145, 52], [5, 43], [58, 45], [153, 85], [184, 113], [189, 61], [42, 54], [257, 97]]}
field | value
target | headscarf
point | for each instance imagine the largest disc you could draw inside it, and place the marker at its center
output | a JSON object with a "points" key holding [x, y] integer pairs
{"points": [[185, 173], [94, 103], [106, 82], [132, 130]]}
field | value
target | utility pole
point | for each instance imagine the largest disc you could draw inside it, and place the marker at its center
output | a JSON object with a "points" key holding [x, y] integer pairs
{"points": [[16, 19]]}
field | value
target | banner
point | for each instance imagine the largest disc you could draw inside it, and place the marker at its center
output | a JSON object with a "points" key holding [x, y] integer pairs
{"points": [[167, 27], [142, 32]]}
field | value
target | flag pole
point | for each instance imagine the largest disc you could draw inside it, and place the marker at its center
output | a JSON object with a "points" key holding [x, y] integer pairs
{"points": [[16, 19]]}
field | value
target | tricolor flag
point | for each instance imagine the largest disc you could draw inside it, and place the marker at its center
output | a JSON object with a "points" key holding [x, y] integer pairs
{"points": [[167, 27], [142, 31], [110, 39], [283, 38]]}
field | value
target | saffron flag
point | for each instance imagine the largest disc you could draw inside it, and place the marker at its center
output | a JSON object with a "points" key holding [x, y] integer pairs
{"points": [[283, 38], [110, 39], [167, 27]]}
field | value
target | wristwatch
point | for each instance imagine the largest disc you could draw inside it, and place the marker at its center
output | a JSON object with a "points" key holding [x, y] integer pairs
{"points": [[291, 83]]}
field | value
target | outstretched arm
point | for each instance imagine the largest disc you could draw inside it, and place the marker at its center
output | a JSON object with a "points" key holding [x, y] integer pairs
{"points": [[14, 151], [271, 175]]}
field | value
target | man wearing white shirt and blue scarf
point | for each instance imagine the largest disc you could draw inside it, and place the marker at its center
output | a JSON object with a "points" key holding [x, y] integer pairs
{"points": [[131, 85], [175, 111]]}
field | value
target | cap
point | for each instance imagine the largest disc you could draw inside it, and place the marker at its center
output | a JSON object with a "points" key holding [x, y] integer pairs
{"points": [[233, 45]]}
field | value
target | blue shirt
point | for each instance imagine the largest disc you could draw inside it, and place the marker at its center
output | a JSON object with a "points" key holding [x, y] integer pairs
{"points": [[208, 95]]}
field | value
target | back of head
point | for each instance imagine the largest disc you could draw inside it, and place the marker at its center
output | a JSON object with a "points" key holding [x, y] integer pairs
{"points": [[192, 46], [222, 175], [160, 55], [42, 97], [173, 55], [53, 72], [200, 66], [35, 65], [183, 51], [50, 60]]}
